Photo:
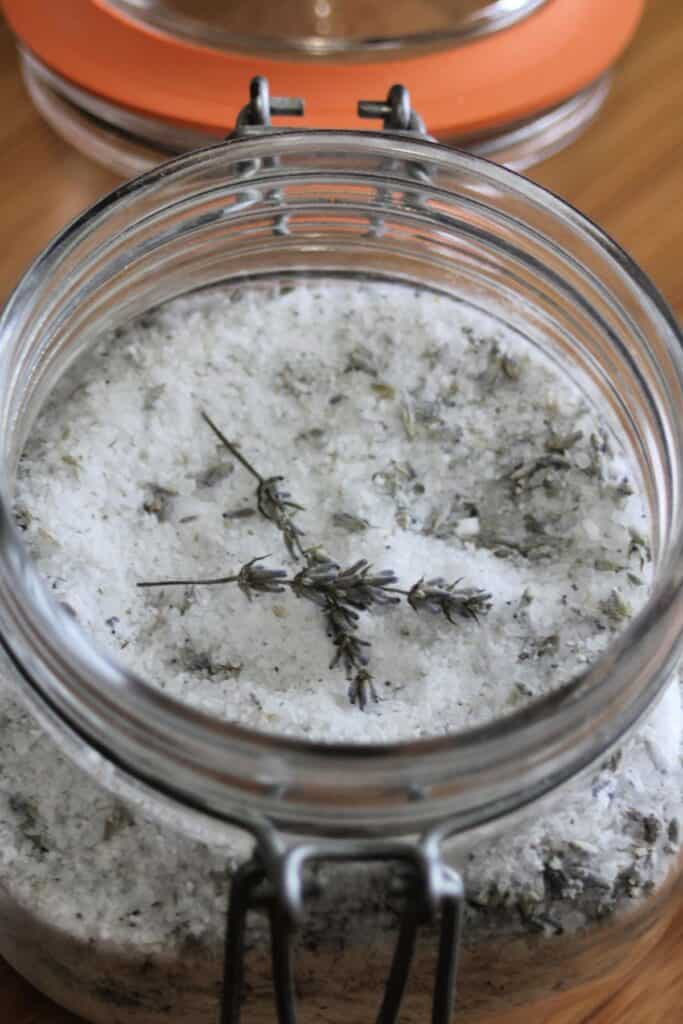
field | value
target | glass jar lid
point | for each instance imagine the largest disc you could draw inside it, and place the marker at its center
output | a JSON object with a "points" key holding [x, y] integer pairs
{"points": [[322, 28]]}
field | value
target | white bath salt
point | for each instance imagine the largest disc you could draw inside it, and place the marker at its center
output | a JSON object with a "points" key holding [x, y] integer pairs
{"points": [[418, 434]]}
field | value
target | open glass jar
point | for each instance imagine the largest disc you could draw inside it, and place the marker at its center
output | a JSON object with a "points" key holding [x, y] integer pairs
{"points": [[199, 791]]}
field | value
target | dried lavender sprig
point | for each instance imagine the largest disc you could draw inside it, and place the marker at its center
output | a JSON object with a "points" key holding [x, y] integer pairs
{"points": [[351, 651], [321, 581], [252, 578], [324, 583], [443, 598], [273, 503], [342, 594], [259, 579], [356, 585], [339, 592]]}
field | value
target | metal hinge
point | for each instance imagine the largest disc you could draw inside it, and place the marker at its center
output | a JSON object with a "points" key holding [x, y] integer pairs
{"points": [[273, 882], [395, 112]]}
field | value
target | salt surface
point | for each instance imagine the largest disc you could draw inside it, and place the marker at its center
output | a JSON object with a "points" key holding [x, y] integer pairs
{"points": [[417, 433]]}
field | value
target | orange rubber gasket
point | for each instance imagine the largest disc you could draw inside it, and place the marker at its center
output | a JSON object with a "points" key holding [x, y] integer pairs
{"points": [[492, 81]]}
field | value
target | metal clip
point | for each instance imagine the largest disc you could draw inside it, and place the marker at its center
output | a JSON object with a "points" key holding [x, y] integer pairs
{"points": [[256, 117], [273, 881], [396, 112], [397, 115], [398, 118]]}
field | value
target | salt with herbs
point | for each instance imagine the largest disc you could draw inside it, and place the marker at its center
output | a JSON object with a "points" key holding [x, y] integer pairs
{"points": [[424, 446]]}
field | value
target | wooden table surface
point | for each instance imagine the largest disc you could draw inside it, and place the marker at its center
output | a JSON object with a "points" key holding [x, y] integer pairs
{"points": [[626, 172]]}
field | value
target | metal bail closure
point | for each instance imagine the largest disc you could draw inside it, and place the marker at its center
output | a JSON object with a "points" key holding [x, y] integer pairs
{"points": [[256, 117], [396, 112], [272, 882]]}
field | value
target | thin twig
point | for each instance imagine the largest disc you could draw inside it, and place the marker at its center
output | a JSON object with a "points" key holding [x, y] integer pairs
{"points": [[231, 447], [273, 503], [187, 583]]}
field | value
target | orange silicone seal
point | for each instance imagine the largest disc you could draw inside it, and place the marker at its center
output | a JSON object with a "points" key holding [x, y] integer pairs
{"points": [[495, 80]]}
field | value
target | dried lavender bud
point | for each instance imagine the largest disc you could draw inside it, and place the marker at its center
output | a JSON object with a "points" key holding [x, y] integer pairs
{"points": [[313, 582], [349, 651], [252, 578], [360, 587], [356, 586], [442, 598], [362, 690], [259, 579], [275, 504]]}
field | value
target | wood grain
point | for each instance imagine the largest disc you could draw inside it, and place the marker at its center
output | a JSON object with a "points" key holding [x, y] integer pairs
{"points": [[625, 172]]}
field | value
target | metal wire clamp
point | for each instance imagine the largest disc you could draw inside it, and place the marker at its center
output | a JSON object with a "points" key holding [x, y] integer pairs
{"points": [[255, 118], [395, 112], [273, 882]]}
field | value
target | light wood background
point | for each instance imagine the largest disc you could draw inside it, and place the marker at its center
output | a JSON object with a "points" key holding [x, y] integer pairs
{"points": [[626, 173]]}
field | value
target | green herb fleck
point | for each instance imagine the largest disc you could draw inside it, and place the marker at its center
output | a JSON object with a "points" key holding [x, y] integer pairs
{"points": [[639, 547], [408, 420], [384, 391], [119, 819], [605, 565], [615, 608], [562, 443], [350, 523], [215, 473], [361, 360]]}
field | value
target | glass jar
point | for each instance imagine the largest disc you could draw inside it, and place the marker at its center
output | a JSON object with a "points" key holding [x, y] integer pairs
{"points": [[329, 27], [200, 792]]}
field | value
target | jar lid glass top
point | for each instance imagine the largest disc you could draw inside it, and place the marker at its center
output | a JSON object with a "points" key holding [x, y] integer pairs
{"points": [[318, 28]]}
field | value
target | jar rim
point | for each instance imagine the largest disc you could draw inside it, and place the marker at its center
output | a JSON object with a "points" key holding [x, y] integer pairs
{"points": [[234, 772]]}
